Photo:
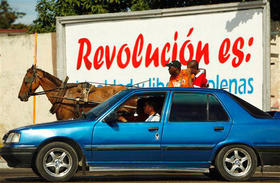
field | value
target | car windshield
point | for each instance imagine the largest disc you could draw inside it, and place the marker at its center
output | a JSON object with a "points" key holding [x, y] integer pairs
{"points": [[103, 107]]}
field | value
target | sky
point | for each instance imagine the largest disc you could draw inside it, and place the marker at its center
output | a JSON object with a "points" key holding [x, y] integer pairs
{"points": [[26, 6]]}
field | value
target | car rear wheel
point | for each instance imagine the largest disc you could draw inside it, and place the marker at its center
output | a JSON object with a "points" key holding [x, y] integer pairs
{"points": [[57, 161], [236, 162]]}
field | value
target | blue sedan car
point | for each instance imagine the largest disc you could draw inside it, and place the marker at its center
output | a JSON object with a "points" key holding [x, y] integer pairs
{"points": [[195, 130]]}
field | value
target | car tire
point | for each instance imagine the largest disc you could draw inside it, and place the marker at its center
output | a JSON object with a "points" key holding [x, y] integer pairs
{"points": [[57, 161], [236, 162], [35, 170]]}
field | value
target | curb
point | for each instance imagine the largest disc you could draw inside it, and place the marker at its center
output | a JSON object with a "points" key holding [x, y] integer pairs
{"points": [[3, 163], [269, 169]]}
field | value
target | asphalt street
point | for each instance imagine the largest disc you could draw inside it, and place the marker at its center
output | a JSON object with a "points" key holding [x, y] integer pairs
{"points": [[26, 175]]}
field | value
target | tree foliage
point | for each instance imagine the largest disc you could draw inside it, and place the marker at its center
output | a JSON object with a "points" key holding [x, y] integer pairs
{"points": [[8, 16], [48, 10]]}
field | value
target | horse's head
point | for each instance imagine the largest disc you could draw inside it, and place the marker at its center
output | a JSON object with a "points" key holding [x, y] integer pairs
{"points": [[29, 84]]}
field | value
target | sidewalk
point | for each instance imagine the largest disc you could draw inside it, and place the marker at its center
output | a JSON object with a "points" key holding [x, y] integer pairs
{"points": [[3, 163]]}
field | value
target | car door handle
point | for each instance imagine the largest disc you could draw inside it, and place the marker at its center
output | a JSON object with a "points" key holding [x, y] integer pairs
{"points": [[219, 128], [153, 128]]}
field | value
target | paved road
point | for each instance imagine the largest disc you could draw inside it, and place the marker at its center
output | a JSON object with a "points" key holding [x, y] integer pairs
{"points": [[25, 175]]}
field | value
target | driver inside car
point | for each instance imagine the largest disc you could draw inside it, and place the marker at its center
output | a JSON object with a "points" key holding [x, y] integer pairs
{"points": [[138, 116], [145, 111]]}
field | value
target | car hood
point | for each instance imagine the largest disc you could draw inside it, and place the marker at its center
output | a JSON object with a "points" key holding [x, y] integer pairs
{"points": [[55, 123]]}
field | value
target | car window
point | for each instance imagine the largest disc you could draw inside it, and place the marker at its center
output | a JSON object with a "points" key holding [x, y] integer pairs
{"points": [[216, 110], [188, 107], [254, 111], [103, 107], [139, 108], [195, 107]]}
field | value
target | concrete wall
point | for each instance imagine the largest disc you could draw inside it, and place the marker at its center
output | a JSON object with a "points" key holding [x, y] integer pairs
{"points": [[16, 56], [275, 66]]}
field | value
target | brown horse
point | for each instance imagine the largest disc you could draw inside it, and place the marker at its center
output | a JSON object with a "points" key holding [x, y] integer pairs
{"points": [[63, 95]]}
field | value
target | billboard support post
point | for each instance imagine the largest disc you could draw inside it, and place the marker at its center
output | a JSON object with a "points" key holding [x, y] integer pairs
{"points": [[267, 80]]}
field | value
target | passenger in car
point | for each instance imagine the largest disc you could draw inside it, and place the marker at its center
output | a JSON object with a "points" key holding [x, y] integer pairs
{"points": [[150, 109]]}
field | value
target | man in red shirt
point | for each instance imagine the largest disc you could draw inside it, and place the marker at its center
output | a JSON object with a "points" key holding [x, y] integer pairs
{"points": [[178, 77], [199, 79]]}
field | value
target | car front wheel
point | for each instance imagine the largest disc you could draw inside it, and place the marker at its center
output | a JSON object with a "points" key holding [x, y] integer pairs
{"points": [[236, 162], [57, 161]]}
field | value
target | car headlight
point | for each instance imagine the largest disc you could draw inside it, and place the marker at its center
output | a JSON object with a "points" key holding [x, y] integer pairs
{"points": [[13, 138]]}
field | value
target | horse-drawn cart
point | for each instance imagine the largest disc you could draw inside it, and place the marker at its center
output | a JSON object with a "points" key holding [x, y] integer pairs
{"points": [[69, 100]]}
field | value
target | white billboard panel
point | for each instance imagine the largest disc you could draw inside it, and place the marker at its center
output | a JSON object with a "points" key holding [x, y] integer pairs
{"points": [[228, 44]]}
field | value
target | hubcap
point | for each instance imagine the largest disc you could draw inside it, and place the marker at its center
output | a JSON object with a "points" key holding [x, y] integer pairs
{"points": [[237, 162], [57, 162]]}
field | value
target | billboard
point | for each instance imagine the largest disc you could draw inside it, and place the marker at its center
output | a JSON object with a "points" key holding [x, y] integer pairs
{"points": [[128, 48]]}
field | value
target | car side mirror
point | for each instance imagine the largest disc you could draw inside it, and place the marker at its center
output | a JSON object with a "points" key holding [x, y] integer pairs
{"points": [[111, 118]]}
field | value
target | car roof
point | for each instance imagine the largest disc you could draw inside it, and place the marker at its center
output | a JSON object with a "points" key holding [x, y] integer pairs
{"points": [[210, 90]]}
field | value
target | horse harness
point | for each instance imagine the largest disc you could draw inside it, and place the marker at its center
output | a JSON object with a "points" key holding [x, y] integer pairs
{"points": [[30, 80], [60, 94], [82, 100], [86, 90]]}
